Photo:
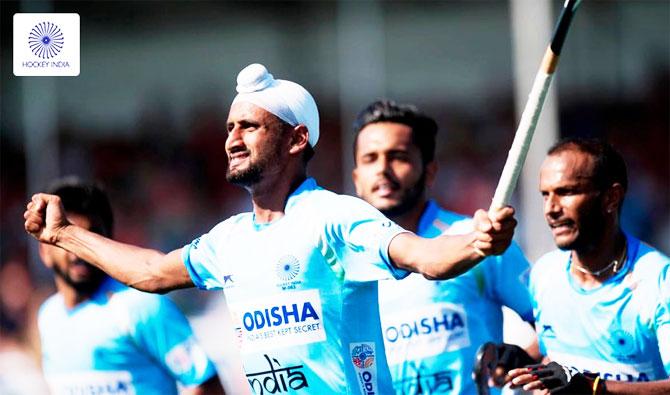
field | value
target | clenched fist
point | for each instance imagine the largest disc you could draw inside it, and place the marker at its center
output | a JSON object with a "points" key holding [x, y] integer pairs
{"points": [[45, 217], [494, 233]]}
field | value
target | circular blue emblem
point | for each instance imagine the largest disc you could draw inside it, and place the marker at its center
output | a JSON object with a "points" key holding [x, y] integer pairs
{"points": [[623, 342], [288, 267], [46, 40]]}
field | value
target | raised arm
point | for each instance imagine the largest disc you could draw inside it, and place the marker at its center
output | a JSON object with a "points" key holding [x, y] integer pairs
{"points": [[141, 268], [448, 256]]}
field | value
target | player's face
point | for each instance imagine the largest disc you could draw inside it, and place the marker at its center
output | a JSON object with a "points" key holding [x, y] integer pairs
{"points": [[254, 144], [389, 172], [573, 207], [75, 272]]}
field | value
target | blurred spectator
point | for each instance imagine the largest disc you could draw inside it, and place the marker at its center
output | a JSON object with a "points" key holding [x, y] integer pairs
{"points": [[19, 370]]}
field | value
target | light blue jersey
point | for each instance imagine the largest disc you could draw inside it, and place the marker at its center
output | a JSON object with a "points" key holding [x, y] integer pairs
{"points": [[120, 341], [620, 329], [432, 329], [303, 292]]}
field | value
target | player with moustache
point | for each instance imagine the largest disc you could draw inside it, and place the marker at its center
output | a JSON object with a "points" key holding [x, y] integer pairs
{"points": [[602, 299]]}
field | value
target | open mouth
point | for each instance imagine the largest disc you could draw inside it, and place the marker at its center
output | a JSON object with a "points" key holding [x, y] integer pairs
{"points": [[236, 158], [385, 188], [558, 227]]}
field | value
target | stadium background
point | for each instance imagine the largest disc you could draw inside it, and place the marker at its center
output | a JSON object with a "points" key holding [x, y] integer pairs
{"points": [[147, 114]]}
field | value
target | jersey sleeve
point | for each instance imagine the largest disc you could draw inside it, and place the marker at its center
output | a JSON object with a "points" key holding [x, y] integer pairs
{"points": [[662, 319], [508, 281], [159, 328], [360, 236], [200, 257], [534, 288]]}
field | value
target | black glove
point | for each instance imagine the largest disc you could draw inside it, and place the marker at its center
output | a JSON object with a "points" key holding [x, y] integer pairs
{"points": [[559, 379], [490, 356], [511, 356]]}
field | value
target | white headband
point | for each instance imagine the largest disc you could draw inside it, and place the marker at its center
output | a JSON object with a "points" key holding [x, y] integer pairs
{"points": [[285, 99]]}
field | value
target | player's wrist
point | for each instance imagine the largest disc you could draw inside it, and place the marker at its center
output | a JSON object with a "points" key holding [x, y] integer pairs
{"points": [[598, 386], [60, 234]]}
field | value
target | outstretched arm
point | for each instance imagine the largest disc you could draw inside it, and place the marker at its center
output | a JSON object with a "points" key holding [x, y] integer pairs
{"points": [[448, 256], [145, 269]]}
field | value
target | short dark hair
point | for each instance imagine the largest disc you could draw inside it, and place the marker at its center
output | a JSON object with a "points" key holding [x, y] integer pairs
{"points": [[609, 166], [87, 199], [424, 128]]}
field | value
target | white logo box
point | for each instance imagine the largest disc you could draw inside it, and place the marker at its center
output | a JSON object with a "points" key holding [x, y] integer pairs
{"points": [[46, 44]]}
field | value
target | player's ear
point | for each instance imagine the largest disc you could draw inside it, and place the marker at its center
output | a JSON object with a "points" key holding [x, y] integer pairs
{"points": [[613, 198], [299, 139], [431, 173]]}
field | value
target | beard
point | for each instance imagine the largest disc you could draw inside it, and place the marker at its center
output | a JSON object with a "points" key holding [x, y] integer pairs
{"points": [[87, 287], [409, 199], [246, 177], [258, 167]]}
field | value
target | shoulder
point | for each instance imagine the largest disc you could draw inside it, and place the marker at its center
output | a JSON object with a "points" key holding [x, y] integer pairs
{"points": [[321, 195], [511, 263], [222, 229], [455, 223], [436, 221], [450, 217], [51, 305], [549, 264], [138, 303], [652, 266], [337, 208], [145, 310], [230, 222]]}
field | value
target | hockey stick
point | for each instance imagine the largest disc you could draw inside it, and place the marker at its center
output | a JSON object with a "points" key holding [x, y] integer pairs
{"points": [[531, 113]]}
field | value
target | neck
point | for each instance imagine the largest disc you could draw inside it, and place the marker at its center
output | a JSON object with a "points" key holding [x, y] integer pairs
{"points": [[71, 296], [596, 262], [409, 220], [269, 198]]}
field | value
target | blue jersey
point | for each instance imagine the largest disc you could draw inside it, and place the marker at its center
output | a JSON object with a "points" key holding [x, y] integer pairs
{"points": [[303, 292], [620, 329], [120, 341], [432, 329]]}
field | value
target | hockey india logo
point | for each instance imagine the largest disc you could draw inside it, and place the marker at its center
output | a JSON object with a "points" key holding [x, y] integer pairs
{"points": [[287, 268], [46, 40], [363, 356]]}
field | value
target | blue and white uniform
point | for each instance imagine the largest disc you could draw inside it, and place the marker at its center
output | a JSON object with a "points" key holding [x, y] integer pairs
{"points": [[432, 329], [303, 292], [120, 341], [620, 329]]}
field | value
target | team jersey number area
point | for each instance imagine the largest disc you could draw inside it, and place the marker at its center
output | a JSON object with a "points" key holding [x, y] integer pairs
{"points": [[424, 332], [278, 321]]}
